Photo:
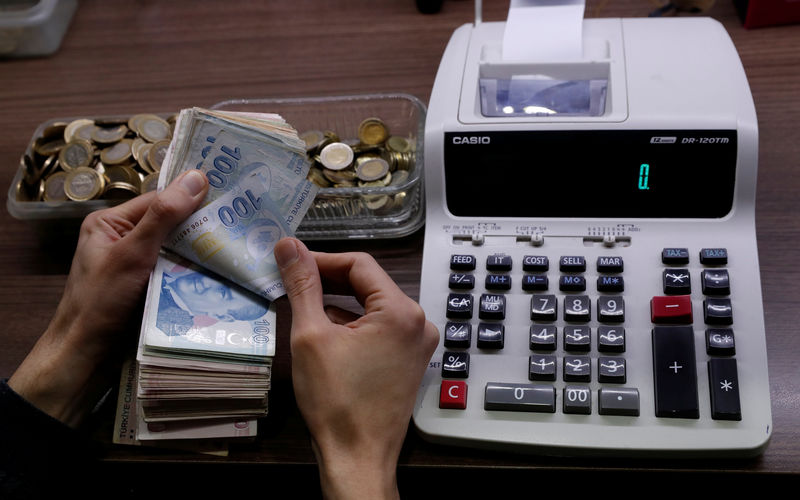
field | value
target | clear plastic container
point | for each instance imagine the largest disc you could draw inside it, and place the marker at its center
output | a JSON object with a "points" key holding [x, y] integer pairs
{"points": [[336, 213], [346, 213], [30, 28]]}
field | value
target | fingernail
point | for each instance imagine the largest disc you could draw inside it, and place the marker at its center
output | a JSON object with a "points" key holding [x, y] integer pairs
{"points": [[286, 253], [193, 182]]}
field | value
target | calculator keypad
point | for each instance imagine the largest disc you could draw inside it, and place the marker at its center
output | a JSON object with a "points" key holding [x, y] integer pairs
{"points": [[577, 335]]}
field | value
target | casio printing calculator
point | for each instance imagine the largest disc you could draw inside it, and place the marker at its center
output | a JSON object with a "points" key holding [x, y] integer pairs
{"points": [[590, 250]]}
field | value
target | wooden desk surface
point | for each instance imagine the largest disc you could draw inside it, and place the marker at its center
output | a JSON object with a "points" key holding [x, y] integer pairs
{"points": [[161, 56]]}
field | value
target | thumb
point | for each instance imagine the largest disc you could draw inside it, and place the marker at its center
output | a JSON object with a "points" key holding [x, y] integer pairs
{"points": [[170, 207], [302, 282]]}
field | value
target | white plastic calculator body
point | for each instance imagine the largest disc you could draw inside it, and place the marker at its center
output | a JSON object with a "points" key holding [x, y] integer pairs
{"points": [[644, 332]]}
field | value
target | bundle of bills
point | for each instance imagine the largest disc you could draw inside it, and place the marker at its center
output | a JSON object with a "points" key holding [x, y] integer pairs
{"points": [[202, 369]]}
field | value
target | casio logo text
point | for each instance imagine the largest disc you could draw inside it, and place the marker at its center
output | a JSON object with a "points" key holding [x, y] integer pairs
{"points": [[472, 140]]}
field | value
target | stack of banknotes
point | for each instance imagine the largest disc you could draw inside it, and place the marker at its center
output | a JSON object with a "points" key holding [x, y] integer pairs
{"points": [[202, 368]]}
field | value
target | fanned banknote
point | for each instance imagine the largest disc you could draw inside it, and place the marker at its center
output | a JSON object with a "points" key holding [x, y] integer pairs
{"points": [[203, 366], [191, 313], [256, 166]]}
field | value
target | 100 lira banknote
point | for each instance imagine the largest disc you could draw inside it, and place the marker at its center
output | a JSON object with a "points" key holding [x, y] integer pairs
{"points": [[258, 193]]}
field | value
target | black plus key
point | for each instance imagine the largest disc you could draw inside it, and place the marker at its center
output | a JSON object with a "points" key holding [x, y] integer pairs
{"points": [[723, 381], [674, 372]]}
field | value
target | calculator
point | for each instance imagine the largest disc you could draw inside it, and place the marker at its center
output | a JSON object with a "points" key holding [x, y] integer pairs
{"points": [[593, 271]]}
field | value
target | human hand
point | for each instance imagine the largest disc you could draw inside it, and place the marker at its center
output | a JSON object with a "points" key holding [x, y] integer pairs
{"points": [[116, 252], [355, 377]]}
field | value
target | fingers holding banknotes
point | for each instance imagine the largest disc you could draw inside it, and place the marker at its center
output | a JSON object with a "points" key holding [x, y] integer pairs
{"points": [[116, 251], [355, 377]]}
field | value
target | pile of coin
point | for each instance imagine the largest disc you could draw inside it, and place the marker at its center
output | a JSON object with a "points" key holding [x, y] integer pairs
{"points": [[374, 159], [114, 158]]}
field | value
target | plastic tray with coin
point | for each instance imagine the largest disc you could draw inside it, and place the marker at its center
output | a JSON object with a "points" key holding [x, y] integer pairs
{"points": [[74, 166], [363, 200], [387, 207]]}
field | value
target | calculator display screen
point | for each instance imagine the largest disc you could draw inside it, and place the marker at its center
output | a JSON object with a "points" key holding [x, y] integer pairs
{"points": [[601, 173]]}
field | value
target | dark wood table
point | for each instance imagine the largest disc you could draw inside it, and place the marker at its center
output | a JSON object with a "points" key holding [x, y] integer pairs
{"points": [[161, 56]]}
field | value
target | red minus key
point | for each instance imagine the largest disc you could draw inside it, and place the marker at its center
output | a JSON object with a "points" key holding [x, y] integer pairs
{"points": [[675, 309]]}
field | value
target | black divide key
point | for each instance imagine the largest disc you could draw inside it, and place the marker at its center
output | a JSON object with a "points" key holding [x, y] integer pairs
{"points": [[675, 372]]}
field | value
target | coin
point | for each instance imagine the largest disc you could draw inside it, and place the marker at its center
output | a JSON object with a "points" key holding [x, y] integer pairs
{"points": [[144, 151], [80, 124], [152, 128], [336, 156], [340, 176], [47, 146], [372, 169], [372, 131], [108, 135], [121, 173], [156, 154], [83, 184], [75, 154], [377, 203], [150, 183], [120, 190], [135, 146], [398, 144], [313, 140], [117, 153], [399, 177], [30, 172], [54, 187], [318, 177]]}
